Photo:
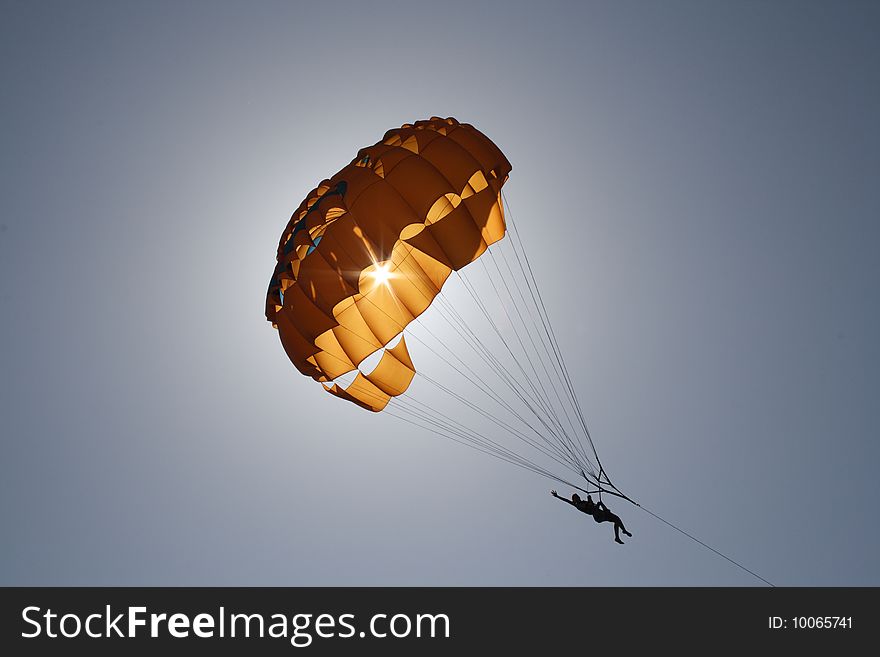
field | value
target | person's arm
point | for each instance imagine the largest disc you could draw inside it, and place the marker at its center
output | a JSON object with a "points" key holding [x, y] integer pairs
{"points": [[553, 493], [601, 505]]}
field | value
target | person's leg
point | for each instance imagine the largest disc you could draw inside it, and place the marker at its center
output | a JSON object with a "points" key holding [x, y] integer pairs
{"points": [[617, 533], [618, 525]]}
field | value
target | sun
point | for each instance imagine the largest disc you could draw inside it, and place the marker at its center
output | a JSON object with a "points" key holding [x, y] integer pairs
{"points": [[382, 274]]}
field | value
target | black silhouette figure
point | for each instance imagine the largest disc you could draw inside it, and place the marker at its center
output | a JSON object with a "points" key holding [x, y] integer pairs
{"points": [[600, 512]]}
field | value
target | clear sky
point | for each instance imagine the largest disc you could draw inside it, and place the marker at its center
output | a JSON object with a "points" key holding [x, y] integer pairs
{"points": [[698, 186]]}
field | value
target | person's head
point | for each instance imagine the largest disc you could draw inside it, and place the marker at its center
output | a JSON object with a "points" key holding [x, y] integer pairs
{"points": [[589, 498], [575, 498]]}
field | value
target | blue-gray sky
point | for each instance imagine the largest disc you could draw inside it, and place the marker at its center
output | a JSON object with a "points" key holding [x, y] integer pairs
{"points": [[698, 185]]}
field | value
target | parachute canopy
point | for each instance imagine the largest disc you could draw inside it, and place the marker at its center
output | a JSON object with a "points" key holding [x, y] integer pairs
{"points": [[368, 250]]}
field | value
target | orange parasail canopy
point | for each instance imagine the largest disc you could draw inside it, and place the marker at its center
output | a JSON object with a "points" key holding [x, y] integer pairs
{"points": [[367, 251]]}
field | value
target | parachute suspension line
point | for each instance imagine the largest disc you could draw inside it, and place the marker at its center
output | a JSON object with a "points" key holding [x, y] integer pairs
{"points": [[548, 449], [547, 407], [708, 547], [441, 431], [480, 442], [575, 443], [538, 301], [476, 438], [543, 344], [495, 363], [498, 368], [488, 317], [554, 448], [519, 462], [459, 325], [487, 391], [454, 319], [428, 411], [486, 355], [535, 292], [485, 444], [552, 415], [473, 437], [448, 436], [556, 454]]}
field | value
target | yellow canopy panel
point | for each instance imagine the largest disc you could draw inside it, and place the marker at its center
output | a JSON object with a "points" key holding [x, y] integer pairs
{"points": [[390, 378]]}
